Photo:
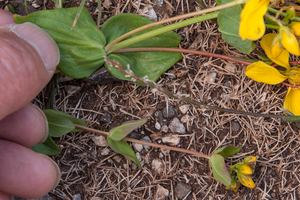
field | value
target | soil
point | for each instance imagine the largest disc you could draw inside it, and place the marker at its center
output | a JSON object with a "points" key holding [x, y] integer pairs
{"points": [[88, 170]]}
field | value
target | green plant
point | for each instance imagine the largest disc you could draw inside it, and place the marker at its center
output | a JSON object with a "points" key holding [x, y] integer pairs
{"points": [[146, 49]]}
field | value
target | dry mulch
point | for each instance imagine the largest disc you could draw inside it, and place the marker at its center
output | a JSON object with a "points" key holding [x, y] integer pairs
{"points": [[99, 173]]}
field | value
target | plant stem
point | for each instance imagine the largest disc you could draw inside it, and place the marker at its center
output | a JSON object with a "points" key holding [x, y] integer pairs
{"points": [[159, 31], [272, 10], [272, 26], [183, 51], [186, 22], [195, 153], [181, 97]]}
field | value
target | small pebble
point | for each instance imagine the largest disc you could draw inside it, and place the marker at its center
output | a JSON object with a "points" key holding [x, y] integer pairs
{"points": [[157, 126], [77, 197], [100, 141], [161, 193], [176, 126], [137, 147], [184, 108], [181, 190], [211, 77], [157, 165], [105, 118], [171, 139], [235, 126], [164, 128], [117, 158], [71, 89], [146, 139], [151, 14], [171, 112], [105, 152], [185, 118]]}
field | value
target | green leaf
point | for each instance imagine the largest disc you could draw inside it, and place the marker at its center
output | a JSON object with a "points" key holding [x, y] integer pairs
{"points": [[118, 133], [59, 126], [219, 169], [124, 148], [229, 21], [81, 49], [152, 64], [227, 151], [65, 116], [48, 148]]}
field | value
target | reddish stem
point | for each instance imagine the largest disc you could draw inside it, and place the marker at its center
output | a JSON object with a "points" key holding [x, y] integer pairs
{"points": [[199, 53], [183, 51]]}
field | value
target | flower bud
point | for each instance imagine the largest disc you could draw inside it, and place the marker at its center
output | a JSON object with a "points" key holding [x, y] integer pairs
{"points": [[246, 180], [289, 41], [294, 77], [250, 159], [245, 169], [234, 185], [296, 28]]}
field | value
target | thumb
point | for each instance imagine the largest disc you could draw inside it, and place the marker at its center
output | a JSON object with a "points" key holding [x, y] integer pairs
{"points": [[28, 58]]}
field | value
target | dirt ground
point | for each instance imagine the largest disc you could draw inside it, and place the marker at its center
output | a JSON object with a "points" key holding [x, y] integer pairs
{"points": [[96, 172]]}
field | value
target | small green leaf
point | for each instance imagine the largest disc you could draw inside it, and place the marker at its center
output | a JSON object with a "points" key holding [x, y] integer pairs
{"points": [[229, 22], [124, 148], [48, 148], [81, 49], [65, 116], [150, 64], [59, 126], [118, 133], [219, 169], [227, 151]]}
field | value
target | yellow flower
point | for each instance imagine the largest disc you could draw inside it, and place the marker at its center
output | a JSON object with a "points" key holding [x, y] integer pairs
{"points": [[262, 72], [250, 159], [246, 180], [296, 28], [252, 24], [245, 169], [289, 41]]}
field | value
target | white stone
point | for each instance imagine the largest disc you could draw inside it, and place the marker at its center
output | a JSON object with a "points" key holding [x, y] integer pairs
{"points": [[176, 126], [157, 165], [171, 139], [211, 77], [71, 89], [164, 128], [184, 108], [137, 147], [157, 126], [105, 152], [185, 118], [117, 158], [161, 193], [230, 67], [100, 141]]}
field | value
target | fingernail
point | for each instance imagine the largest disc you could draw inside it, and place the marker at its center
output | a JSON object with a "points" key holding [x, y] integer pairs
{"points": [[58, 173], [46, 132], [41, 41]]}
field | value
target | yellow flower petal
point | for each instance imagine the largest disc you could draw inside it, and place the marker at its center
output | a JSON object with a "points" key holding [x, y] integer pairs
{"points": [[261, 72], [290, 43], [282, 59], [291, 102], [252, 24]]}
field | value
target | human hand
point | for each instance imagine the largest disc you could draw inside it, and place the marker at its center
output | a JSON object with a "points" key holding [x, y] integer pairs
{"points": [[28, 58]]}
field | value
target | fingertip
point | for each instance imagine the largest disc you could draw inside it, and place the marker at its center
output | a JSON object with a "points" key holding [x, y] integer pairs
{"points": [[41, 41], [27, 126], [25, 173], [6, 18]]}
